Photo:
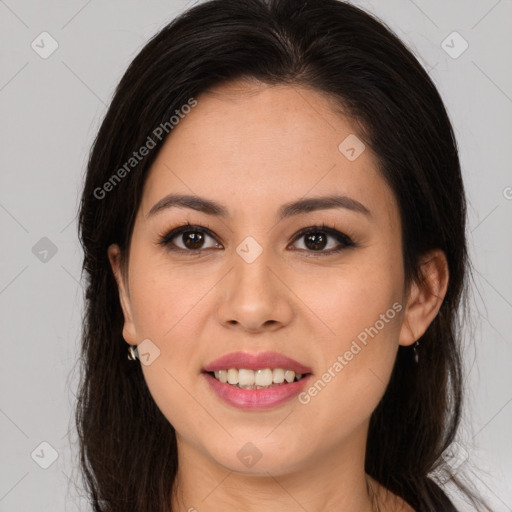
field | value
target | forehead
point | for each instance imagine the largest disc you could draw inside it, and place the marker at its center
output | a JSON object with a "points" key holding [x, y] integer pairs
{"points": [[251, 144]]}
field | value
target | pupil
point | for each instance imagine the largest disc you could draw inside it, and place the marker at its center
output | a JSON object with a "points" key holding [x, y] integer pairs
{"points": [[195, 239], [315, 241]]}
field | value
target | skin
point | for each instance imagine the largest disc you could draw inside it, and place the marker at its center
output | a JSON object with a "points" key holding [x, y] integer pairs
{"points": [[252, 147]]}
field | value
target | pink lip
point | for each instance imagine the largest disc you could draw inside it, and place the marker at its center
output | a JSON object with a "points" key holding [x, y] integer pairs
{"points": [[256, 399], [259, 361]]}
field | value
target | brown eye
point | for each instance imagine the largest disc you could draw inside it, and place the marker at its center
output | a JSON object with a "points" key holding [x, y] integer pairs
{"points": [[192, 239], [315, 241], [322, 239], [189, 238]]}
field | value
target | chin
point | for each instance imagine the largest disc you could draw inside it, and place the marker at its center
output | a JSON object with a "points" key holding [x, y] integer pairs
{"points": [[258, 456]]}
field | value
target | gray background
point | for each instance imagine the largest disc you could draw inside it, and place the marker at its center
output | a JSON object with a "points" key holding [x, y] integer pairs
{"points": [[50, 111]]}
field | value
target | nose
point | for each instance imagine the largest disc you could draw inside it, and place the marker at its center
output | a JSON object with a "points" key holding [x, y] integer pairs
{"points": [[255, 297]]}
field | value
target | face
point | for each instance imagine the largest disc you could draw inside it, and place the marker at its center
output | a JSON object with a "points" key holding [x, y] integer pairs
{"points": [[272, 267]]}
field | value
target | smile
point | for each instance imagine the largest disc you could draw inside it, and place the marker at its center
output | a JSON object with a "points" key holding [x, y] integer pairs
{"points": [[256, 379]]}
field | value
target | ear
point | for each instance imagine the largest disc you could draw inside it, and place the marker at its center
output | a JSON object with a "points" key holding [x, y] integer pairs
{"points": [[425, 297], [129, 331]]}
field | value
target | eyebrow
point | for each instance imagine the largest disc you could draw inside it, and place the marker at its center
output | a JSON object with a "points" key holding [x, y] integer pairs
{"points": [[301, 206]]}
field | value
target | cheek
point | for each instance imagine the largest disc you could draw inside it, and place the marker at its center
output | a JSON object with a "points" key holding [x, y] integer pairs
{"points": [[167, 300], [355, 364], [361, 306], [351, 299], [169, 309]]}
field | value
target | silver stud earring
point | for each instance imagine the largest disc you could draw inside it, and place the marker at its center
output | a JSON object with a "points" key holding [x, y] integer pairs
{"points": [[132, 354]]}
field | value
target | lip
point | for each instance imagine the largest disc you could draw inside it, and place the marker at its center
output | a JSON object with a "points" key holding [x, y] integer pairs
{"points": [[256, 399], [258, 361]]}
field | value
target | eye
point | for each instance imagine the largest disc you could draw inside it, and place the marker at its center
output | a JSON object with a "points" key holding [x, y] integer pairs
{"points": [[189, 238], [323, 239]]}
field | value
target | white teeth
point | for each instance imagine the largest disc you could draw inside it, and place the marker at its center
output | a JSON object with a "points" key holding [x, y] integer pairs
{"points": [[245, 377], [250, 379], [263, 377], [289, 375], [278, 376], [233, 376]]}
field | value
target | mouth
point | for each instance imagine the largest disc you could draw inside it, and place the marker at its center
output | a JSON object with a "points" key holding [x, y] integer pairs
{"points": [[264, 378], [256, 381]]}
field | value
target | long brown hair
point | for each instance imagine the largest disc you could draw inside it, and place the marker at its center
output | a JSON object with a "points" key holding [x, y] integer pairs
{"points": [[128, 452]]}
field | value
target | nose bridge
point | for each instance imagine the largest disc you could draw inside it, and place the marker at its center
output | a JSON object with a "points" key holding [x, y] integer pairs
{"points": [[252, 279], [254, 297]]}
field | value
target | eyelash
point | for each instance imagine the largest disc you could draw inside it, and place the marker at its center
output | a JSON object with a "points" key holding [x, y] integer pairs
{"points": [[344, 240]]}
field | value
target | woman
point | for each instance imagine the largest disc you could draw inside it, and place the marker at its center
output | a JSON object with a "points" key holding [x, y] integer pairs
{"points": [[273, 224]]}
